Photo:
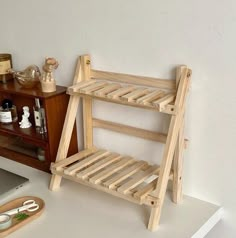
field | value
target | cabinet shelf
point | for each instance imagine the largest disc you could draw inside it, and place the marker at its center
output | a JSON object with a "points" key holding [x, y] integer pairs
{"points": [[28, 133], [25, 150]]}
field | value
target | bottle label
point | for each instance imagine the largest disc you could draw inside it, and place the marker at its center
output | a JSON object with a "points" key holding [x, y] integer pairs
{"points": [[37, 119], [4, 66], [5, 117]]}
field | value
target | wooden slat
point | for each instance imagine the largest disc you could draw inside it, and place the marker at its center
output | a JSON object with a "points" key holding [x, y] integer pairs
{"points": [[129, 130], [140, 80], [78, 86], [136, 180], [86, 162], [134, 94], [160, 103], [99, 165], [107, 89], [97, 186], [144, 191], [74, 158], [120, 92], [111, 170], [93, 87], [111, 183], [150, 97]]}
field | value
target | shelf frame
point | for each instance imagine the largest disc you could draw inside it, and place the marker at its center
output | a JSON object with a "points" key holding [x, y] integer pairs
{"points": [[165, 96]]}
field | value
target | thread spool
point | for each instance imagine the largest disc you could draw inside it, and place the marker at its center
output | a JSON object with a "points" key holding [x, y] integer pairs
{"points": [[5, 221]]}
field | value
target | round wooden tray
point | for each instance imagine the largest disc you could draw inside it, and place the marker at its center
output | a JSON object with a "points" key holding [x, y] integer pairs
{"points": [[16, 224]]}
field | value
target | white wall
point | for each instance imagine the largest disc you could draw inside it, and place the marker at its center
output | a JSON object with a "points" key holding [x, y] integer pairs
{"points": [[146, 38]]}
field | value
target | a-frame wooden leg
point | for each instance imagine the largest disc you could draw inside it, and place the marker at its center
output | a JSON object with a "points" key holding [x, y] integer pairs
{"points": [[65, 138], [176, 124], [177, 166], [165, 170]]}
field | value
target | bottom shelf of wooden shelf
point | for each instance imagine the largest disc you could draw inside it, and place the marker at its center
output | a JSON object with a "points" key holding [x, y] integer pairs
{"points": [[122, 176]]}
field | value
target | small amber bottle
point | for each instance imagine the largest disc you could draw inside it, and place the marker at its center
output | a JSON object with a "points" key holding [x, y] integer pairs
{"points": [[5, 66]]}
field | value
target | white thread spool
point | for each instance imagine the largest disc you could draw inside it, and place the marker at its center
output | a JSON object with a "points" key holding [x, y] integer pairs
{"points": [[5, 221]]}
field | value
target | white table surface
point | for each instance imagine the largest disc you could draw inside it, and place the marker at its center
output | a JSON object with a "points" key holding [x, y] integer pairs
{"points": [[79, 211]]}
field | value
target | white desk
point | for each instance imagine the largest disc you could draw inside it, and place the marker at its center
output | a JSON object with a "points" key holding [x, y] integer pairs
{"points": [[79, 211]]}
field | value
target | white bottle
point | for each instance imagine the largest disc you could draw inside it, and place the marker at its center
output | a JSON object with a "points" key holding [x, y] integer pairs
{"points": [[39, 118]]}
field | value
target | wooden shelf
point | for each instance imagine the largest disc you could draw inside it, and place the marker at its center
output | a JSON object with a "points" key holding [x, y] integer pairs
{"points": [[113, 173], [123, 176], [127, 94], [28, 133]]}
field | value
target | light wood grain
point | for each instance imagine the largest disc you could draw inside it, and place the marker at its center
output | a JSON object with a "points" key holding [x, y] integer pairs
{"points": [[168, 154], [129, 130], [87, 104], [134, 94], [120, 92], [69, 160], [111, 169], [75, 88], [107, 89], [136, 180], [126, 173], [146, 99], [86, 162], [93, 87], [140, 80], [113, 157]]}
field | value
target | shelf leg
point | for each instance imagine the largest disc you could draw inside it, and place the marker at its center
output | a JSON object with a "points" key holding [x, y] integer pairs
{"points": [[65, 137], [177, 164], [178, 168], [55, 182], [176, 124]]}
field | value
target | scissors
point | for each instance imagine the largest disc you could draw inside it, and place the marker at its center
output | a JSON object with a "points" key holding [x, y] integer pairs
{"points": [[28, 205]]}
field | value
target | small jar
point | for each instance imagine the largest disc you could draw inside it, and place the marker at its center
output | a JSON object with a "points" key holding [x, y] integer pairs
{"points": [[5, 65], [8, 112], [41, 154]]}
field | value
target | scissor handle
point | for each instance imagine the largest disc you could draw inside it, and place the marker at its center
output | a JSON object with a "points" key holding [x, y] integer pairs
{"points": [[33, 206], [28, 202]]}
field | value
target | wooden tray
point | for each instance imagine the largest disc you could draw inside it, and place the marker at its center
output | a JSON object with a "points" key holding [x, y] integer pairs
{"points": [[17, 203]]}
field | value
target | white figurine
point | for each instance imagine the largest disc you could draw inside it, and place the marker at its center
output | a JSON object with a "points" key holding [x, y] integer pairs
{"points": [[25, 123]]}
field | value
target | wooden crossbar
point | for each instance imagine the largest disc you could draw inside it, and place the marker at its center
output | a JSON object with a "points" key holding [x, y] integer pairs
{"points": [[140, 80], [130, 130]]}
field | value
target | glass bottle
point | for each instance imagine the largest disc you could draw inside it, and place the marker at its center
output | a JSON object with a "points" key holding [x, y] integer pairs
{"points": [[8, 113], [39, 117]]}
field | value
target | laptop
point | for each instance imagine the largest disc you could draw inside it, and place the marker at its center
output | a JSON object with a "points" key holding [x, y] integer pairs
{"points": [[10, 182]]}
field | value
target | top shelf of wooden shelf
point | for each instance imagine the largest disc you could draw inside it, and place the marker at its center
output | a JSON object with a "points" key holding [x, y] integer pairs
{"points": [[13, 87], [127, 94]]}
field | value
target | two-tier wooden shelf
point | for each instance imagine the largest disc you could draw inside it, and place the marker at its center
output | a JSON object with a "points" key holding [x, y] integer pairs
{"points": [[22, 145], [109, 171]]}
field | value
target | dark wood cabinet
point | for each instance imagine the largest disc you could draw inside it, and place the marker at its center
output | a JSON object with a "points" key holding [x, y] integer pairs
{"points": [[23, 145]]}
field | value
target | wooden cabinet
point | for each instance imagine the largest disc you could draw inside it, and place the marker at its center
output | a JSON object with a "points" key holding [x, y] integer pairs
{"points": [[24, 145]]}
